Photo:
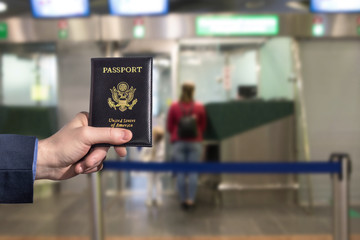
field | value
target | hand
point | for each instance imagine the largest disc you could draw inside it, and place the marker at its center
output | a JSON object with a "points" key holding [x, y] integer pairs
{"points": [[66, 153]]}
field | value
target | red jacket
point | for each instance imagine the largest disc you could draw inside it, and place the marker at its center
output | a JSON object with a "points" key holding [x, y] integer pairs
{"points": [[175, 113]]}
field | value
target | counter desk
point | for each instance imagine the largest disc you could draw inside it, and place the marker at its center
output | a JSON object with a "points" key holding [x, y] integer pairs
{"points": [[252, 131]]}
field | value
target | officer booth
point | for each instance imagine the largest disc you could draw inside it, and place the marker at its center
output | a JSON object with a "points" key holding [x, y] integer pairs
{"points": [[242, 125]]}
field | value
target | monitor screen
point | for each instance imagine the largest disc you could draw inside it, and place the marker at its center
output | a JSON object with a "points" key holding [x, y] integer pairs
{"points": [[60, 8], [247, 92], [334, 6], [138, 7]]}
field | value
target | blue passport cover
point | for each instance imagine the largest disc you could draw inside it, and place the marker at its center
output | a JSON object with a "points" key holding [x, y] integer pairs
{"points": [[121, 96]]}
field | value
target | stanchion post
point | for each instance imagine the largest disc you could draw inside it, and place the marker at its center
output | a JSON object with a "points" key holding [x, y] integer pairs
{"points": [[341, 229], [97, 230]]}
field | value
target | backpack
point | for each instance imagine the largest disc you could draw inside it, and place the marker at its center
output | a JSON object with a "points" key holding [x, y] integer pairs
{"points": [[187, 127]]}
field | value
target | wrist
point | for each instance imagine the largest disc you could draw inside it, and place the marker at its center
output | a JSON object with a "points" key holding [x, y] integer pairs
{"points": [[43, 164]]}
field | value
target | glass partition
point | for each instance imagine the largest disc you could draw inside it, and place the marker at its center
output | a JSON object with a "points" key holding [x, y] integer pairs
{"points": [[28, 77], [218, 71]]}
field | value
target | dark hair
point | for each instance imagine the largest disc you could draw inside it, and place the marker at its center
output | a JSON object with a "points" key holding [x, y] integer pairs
{"points": [[187, 92]]}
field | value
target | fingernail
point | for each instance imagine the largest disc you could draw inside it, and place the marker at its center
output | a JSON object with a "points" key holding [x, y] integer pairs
{"points": [[127, 135], [81, 170]]}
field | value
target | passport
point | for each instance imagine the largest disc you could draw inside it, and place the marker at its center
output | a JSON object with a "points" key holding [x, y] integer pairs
{"points": [[121, 96]]}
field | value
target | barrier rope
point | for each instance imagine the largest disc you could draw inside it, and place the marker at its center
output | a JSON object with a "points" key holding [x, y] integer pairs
{"points": [[236, 168]]}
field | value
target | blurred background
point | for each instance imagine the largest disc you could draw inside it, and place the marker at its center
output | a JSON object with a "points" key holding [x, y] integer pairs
{"points": [[279, 80]]}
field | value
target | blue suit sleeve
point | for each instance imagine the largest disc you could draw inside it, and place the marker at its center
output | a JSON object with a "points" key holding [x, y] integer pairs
{"points": [[17, 172]]}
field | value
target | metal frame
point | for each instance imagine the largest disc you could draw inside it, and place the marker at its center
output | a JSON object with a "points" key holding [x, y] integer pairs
{"points": [[97, 217], [300, 112], [341, 226]]}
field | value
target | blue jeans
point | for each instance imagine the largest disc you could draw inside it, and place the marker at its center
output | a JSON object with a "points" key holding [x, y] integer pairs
{"points": [[186, 152]]}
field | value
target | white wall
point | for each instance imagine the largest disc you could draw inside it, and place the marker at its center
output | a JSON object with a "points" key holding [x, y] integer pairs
{"points": [[331, 75]]}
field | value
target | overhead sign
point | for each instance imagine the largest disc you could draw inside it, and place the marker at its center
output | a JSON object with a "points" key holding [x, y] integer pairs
{"points": [[335, 6], [236, 25]]}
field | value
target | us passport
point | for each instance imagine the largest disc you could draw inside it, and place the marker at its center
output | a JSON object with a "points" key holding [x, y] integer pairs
{"points": [[121, 96]]}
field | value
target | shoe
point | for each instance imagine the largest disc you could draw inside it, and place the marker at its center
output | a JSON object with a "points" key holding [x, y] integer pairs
{"points": [[184, 206]]}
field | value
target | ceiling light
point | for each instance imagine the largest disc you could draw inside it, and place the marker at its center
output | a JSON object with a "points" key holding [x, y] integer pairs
{"points": [[298, 5], [3, 7]]}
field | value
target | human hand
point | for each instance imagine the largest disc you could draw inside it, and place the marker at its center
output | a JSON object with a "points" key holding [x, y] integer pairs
{"points": [[66, 153]]}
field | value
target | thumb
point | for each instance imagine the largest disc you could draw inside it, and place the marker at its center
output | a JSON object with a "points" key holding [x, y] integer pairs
{"points": [[113, 136]]}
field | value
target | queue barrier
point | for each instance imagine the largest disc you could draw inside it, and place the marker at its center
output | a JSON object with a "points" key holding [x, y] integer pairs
{"points": [[339, 166]]}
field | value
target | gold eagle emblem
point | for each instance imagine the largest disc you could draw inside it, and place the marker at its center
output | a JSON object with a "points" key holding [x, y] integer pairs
{"points": [[122, 97]]}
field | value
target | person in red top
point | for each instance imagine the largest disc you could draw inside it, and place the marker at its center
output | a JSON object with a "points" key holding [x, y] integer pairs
{"points": [[185, 143]]}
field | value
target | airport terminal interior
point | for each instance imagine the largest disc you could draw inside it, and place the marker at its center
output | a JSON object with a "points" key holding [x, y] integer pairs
{"points": [[280, 84]]}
